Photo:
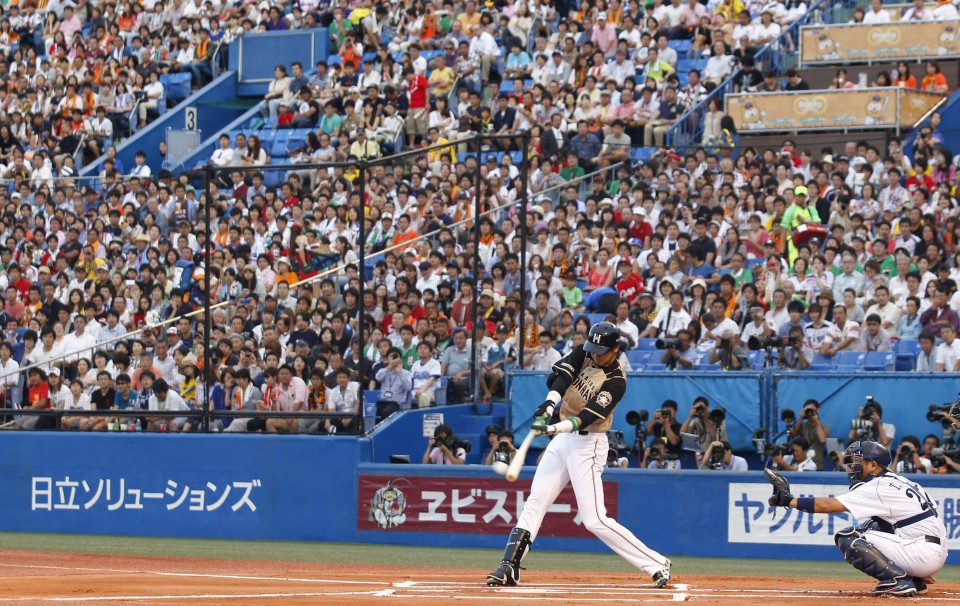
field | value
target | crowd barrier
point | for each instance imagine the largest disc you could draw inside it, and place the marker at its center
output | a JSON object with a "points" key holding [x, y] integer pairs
{"points": [[287, 488], [868, 108], [865, 43]]}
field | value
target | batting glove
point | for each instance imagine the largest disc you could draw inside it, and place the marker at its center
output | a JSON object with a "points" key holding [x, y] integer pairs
{"points": [[540, 424]]}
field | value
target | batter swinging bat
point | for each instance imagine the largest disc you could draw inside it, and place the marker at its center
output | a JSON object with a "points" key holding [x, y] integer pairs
{"points": [[513, 472]]}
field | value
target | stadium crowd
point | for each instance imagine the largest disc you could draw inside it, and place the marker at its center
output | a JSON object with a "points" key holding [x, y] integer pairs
{"points": [[701, 246]]}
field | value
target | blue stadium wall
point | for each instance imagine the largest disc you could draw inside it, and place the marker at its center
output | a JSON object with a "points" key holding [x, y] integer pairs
{"points": [[323, 489]]}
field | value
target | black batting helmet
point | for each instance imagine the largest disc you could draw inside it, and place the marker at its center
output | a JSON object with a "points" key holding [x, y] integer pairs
{"points": [[603, 337]]}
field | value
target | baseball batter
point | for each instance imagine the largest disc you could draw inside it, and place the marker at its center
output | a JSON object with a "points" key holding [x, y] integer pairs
{"points": [[901, 540], [589, 382]]}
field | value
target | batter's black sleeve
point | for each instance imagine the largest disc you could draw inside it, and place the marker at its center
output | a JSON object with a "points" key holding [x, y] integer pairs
{"points": [[566, 370], [602, 405]]}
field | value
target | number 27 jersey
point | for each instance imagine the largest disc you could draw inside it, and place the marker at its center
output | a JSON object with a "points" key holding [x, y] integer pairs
{"points": [[896, 501]]}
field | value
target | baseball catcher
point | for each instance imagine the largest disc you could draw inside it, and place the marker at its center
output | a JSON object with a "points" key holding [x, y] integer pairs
{"points": [[587, 384], [901, 540]]}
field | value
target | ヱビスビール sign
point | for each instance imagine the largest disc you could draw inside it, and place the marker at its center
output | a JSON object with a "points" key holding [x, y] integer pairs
{"points": [[463, 505]]}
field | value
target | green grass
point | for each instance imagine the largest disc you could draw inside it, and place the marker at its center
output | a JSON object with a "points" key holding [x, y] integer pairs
{"points": [[388, 555]]}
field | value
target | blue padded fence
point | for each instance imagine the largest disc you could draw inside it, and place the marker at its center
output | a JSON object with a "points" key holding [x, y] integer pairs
{"points": [[322, 488]]}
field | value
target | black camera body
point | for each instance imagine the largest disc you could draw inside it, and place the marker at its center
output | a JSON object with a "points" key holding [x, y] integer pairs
{"points": [[867, 412], [808, 413], [716, 458], [945, 420], [666, 343], [699, 409], [453, 443], [783, 449]]}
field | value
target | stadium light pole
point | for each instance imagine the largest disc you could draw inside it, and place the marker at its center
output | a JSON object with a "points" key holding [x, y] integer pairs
{"points": [[524, 170], [206, 179], [475, 347], [362, 271]]}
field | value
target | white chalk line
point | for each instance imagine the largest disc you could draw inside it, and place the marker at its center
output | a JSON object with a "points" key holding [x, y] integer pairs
{"points": [[201, 596], [433, 589], [197, 575]]}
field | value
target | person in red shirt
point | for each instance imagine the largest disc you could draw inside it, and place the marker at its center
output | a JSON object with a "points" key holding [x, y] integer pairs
{"points": [[18, 281], [418, 91], [38, 398], [630, 284]]}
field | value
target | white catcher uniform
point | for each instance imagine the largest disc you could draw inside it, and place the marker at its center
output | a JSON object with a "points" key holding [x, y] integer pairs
{"points": [[905, 524], [590, 393]]}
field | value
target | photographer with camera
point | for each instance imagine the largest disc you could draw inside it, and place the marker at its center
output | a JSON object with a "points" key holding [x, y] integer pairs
{"points": [[869, 425], [907, 458], [812, 429], [797, 459], [758, 326], [720, 457], [729, 353], [709, 426], [444, 448], [679, 352], [939, 463], [793, 355], [666, 431], [655, 457], [504, 450]]}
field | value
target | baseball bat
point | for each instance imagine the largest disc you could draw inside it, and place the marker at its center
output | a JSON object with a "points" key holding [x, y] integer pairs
{"points": [[513, 472]]}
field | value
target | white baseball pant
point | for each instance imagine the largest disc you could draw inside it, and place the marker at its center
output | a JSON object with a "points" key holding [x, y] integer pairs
{"points": [[580, 460], [918, 557]]}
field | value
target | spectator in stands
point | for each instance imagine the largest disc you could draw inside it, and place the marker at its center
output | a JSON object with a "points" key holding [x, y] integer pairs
{"points": [[439, 452], [801, 458], [927, 356], [934, 81]]}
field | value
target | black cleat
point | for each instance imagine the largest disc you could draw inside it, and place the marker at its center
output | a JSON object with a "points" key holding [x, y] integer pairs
{"points": [[902, 587], [504, 576], [920, 584], [662, 577]]}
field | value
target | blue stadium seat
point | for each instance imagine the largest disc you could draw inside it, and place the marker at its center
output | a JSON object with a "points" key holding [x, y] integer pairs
{"points": [[594, 318], [907, 350], [335, 59], [647, 344], [709, 367], [849, 358], [641, 154], [879, 360], [758, 359], [822, 361], [638, 358], [370, 399], [848, 368], [177, 86]]}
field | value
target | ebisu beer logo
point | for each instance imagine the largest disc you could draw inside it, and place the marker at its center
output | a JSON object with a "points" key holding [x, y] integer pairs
{"points": [[387, 506]]}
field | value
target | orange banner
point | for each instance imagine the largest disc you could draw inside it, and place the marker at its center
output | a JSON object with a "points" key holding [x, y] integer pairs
{"points": [[864, 43], [865, 108]]}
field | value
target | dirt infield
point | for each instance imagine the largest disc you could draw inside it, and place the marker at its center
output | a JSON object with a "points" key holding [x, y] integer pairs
{"points": [[30, 577]]}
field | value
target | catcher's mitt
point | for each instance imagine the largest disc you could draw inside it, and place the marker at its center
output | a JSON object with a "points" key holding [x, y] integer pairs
{"points": [[781, 489]]}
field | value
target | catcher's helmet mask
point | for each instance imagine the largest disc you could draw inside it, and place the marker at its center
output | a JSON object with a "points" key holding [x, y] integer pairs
{"points": [[603, 337], [861, 451]]}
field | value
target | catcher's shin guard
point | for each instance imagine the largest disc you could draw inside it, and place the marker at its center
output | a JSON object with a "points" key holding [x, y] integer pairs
{"points": [[865, 557], [507, 573]]}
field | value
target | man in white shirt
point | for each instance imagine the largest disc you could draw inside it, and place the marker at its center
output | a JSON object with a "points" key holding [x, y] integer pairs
{"points": [[844, 335], [948, 352], [165, 399], [484, 46], [759, 326], [425, 374], [222, 156], [670, 320], [800, 460], [543, 357], [876, 14], [945, 11], [342, 398], [79, 341]]}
